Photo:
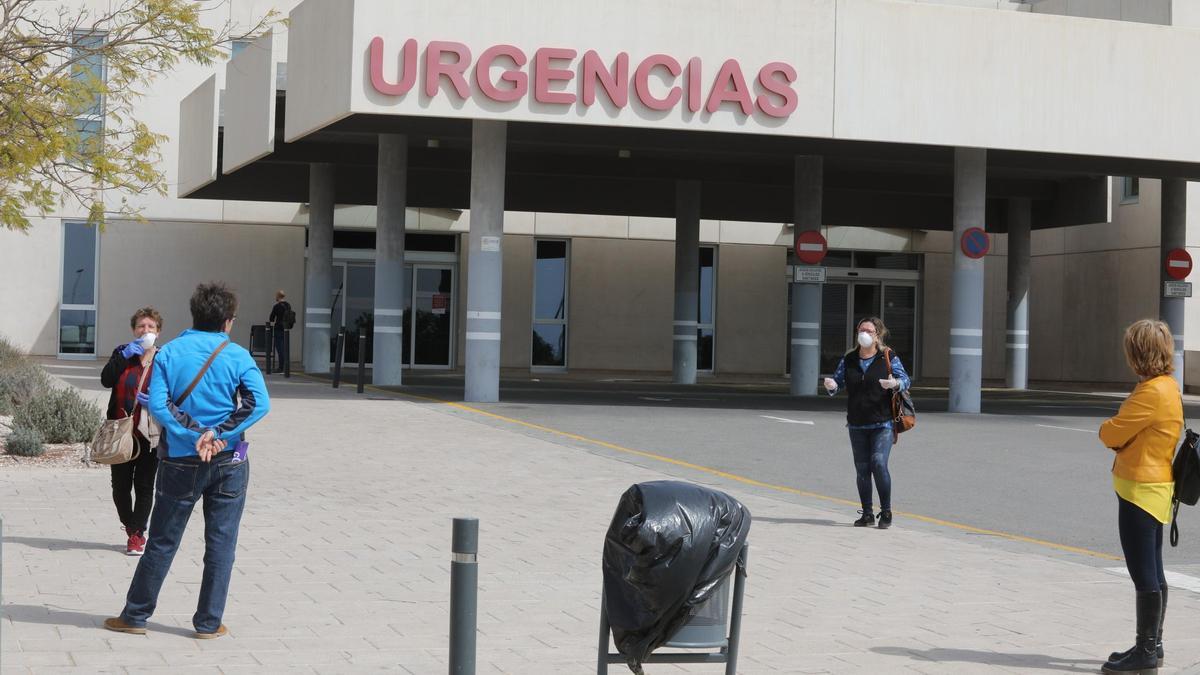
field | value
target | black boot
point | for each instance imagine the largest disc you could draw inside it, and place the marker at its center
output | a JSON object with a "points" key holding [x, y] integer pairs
{"points": [[1142, 658], [867, 519], [1116, 656]]}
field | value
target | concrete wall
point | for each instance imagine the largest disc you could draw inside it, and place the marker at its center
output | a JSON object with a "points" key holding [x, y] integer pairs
{"points": [[160, 264], [32, 264], [751, 312], [1144, 11], [621, 304]]}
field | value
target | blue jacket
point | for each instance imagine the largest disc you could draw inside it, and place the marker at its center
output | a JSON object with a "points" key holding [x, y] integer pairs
{"points": [[213, 404]]}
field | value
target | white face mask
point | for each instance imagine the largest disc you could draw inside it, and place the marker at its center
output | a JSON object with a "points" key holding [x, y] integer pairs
{"points": [[865, 339]]}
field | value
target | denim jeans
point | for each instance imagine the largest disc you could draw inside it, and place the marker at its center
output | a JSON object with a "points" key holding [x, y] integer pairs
{"points": [[871, 449], [182, 481], [1141, 542]]}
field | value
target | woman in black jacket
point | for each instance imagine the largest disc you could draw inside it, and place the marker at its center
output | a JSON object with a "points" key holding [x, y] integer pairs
{"points": [[121, 374], [870, 373]]}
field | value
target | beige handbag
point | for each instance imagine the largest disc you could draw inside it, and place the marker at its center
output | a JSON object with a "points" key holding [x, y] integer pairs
{"points": [[114, 442]]}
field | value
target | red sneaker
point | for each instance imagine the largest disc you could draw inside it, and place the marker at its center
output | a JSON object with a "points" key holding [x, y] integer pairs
{"points": [[136, 545]]}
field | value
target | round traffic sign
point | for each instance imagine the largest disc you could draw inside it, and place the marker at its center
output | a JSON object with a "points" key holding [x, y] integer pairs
{"points": [[1179, 264], [976, 243], [811, 247]]}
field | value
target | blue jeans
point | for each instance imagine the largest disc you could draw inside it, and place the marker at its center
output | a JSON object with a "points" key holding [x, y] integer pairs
{"points": [[1141, 542], [182, 481], [871, 449]]}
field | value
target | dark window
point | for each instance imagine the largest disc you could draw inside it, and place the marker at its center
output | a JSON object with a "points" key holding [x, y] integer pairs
{"points": [[79, 264], [550, 304]]}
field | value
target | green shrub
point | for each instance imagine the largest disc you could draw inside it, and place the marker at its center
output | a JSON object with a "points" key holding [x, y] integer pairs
{"points": [[61, 415], [21, 381], [25, 442]]}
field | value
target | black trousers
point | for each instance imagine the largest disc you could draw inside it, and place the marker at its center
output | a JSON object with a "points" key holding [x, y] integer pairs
{"points": [[136, 477], [1141, 542]]}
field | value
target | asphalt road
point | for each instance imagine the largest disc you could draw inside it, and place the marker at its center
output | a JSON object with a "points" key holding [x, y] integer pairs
{"points": [[1030, 465]]}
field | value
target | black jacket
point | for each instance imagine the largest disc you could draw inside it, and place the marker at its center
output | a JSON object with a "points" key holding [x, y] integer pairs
{"points": [[109, 376], [278, 312], [869, 403]]}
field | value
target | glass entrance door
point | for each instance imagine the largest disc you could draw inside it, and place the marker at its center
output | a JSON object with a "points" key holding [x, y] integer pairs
{"points": [[432, 312], [844, 302]]}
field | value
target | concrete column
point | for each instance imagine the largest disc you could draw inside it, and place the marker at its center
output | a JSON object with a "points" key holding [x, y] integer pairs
{"points": [[1174, 235], [318, 279], [966, 284], [806, 297], [388, 347], [1019, 219], [687, 280], [484, 264]]}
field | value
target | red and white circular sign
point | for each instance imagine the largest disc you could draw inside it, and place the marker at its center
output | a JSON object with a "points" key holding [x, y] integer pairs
{"points": [[1179, 264], [811, 247]]}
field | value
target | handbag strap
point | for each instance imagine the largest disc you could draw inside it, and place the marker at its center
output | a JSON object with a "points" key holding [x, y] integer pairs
{"points": [[187, 392], [1174, 522], [141, 381]]}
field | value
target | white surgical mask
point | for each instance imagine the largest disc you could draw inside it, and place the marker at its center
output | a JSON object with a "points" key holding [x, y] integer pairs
{"points": [[865, 339]]}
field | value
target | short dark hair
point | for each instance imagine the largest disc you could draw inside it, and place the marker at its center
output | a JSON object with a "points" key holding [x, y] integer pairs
{"points": [[212, 305]]}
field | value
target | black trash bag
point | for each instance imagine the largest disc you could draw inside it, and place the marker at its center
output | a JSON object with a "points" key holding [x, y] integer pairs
{"points": [[669, 546]]}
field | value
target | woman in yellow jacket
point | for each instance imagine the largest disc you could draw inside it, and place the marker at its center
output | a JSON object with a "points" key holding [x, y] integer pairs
{"points": [[1144, 434]]}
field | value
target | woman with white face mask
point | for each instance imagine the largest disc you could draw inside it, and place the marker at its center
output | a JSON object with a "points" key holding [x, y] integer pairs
{"points": [[865, 374]]}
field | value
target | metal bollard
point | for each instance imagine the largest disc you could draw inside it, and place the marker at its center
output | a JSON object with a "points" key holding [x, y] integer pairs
{"points": [[287, 352], [270, 347], [362, 360], [338, 356], [464, 595]]}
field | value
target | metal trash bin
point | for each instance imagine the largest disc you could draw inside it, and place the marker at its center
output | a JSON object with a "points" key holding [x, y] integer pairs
{"points": [[258, 340], [709, 626]]}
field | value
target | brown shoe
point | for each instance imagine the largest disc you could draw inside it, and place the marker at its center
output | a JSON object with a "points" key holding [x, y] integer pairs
{"points": [[120, 626], [222, 631]]}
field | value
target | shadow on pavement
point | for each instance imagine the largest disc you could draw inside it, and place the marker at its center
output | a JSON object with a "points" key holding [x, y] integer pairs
{"points": [[64, 617], [801, 521], [63, 544], [1022, 661]]}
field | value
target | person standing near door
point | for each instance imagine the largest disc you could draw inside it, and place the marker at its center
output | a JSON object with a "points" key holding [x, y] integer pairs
{"points": [[864, 372], [282, 317]]}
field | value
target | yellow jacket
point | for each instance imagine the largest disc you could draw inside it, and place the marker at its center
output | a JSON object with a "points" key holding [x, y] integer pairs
{"points": [[1145, 431]]}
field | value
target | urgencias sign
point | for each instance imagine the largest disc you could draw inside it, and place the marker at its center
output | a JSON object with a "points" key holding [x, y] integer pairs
{"points": [[559, 76]]}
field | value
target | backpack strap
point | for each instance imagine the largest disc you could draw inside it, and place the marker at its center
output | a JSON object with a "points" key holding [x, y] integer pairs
{"points": [[187, 392]]}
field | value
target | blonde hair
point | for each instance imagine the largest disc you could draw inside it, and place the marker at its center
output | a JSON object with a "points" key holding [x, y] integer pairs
{"points": [[1150, 348], [279, 295]]}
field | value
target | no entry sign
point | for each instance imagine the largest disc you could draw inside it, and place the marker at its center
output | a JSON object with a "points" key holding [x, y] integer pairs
{"points": [[976, 243], [1179, 264], [811, 247]]}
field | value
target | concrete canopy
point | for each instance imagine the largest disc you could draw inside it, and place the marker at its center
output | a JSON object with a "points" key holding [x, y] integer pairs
{"points": [[895, 173]]}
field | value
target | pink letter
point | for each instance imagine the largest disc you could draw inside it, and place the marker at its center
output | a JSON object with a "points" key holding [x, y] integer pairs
{"points": [[518, 79], [641, 82], [408, 68], [434, 68], [543, 74], [695, 96], [779, 86], [730, 74], [615, 81]]}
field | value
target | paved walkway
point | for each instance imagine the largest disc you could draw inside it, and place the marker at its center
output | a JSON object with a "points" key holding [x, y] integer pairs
{"points": [[343, 565]]}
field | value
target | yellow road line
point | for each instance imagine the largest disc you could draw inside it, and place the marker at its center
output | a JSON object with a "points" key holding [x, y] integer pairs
{"points": [[739, 478]]}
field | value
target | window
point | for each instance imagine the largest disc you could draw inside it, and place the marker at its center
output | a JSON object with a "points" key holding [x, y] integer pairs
{"points": [[89, 68], [77, 307], [238, 46], [707, 297], [550, 304], [1130, 189]]}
